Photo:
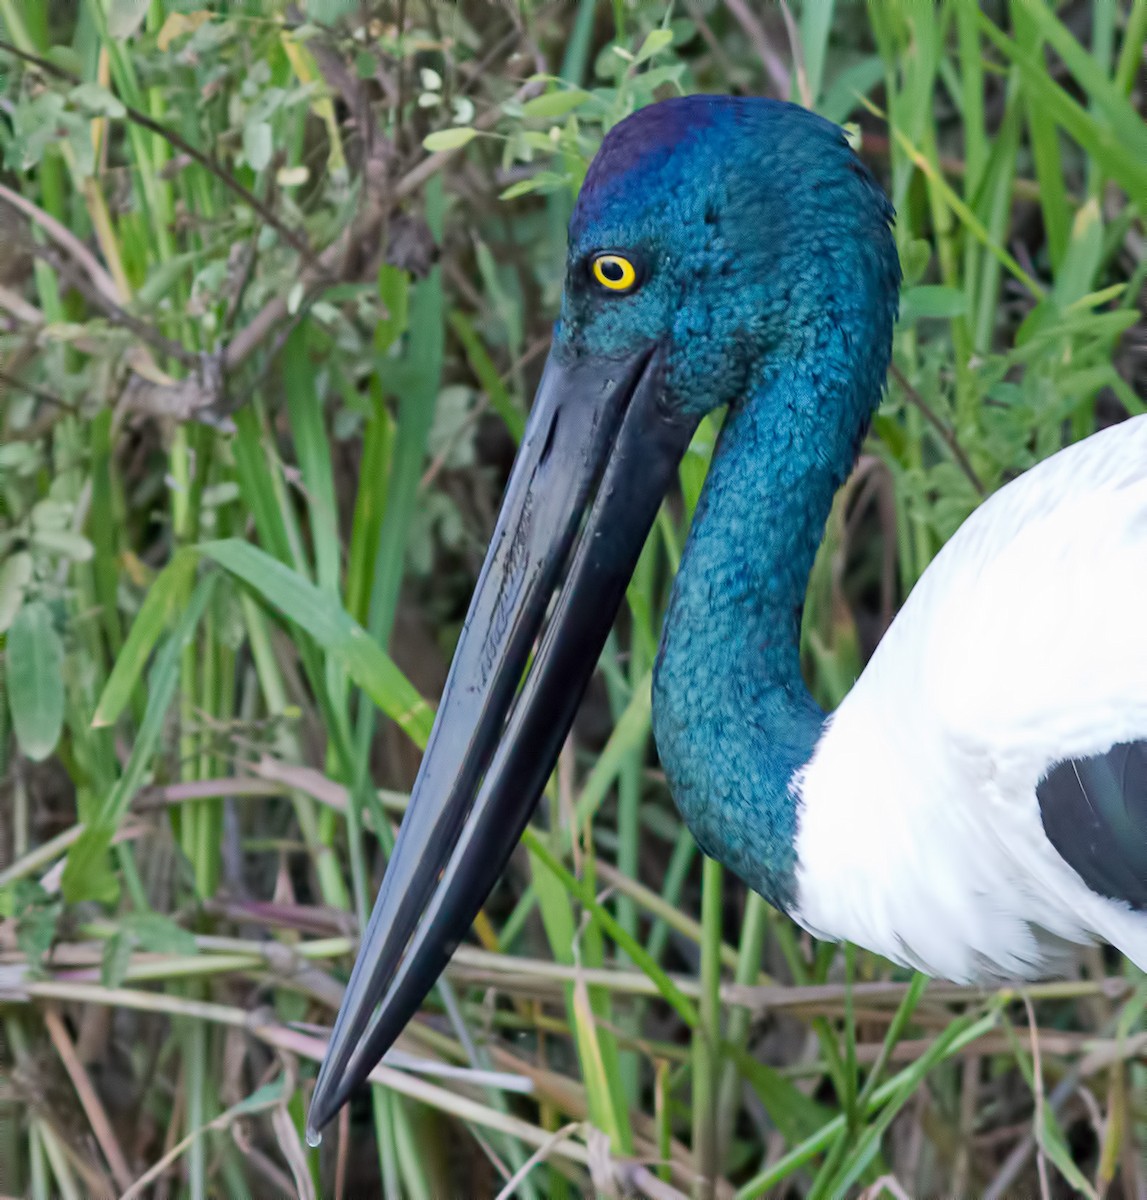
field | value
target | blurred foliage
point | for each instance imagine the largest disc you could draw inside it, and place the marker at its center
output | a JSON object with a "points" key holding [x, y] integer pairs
{"points": [[275, 285]]}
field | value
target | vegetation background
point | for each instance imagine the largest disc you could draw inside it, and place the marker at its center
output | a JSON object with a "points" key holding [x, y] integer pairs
{"points": [[275, 286]]}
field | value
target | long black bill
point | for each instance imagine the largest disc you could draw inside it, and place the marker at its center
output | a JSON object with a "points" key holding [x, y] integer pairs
{"points": [[594, 424]]}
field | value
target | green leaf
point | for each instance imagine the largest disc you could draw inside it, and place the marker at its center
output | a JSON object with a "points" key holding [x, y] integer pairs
{"points": [[37, 916], [852, 83], [488, 376], [15, 575], [543, 181], [1122, 155], [87, 875], [796, 1115], [554, 104], [258, 144], [125, 17], [394, 292], [36, 680], [656, 40], [1081, 261], [449, 139], [932, 301], [329, 11], [1054, 1144], [116, 959], [97, 100], [159, 934], [669, 991], [305, 410], [61, 541], [1106, 97]]}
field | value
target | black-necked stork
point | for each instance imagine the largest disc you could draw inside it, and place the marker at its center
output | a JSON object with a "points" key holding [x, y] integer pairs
{"points": [[979, 799]]}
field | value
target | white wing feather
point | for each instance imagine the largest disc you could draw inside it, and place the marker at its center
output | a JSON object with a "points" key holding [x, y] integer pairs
{"points": [[1023, 644]]}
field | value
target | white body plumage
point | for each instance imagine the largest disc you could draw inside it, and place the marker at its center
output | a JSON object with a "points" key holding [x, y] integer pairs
{"points": [[1024, 644]]}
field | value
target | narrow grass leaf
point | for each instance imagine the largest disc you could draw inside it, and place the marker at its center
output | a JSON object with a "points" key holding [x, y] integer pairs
{"points": [[1126, 124], [1044, 144], [304, 408], [300, 601], [641, 959], [86, 874], [1081, 262], [594, 1073], [796, 1115], [262, 492], [1122, 155], [487, 375], [629, 734], [166, 595]]}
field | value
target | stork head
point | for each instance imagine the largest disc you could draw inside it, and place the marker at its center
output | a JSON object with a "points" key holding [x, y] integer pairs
{"points": [[713, 238]]}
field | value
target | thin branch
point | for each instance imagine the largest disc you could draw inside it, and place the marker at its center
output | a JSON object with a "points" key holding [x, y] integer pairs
{"points": [[206, 161], [326, 267], [946, 434], [774, 66], [45, 397], [116, 313], [66, 240], [89, 1099]]}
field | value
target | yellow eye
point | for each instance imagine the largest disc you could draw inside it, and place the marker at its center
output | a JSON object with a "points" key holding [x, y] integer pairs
{"points": [[614, 272]]}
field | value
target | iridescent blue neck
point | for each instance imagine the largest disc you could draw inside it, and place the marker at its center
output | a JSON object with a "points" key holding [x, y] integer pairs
{"points": [[732, 717]]}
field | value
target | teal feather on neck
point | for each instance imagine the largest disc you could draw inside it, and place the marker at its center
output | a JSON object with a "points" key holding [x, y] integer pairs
{"points": [[732, 717], [772, 282]]}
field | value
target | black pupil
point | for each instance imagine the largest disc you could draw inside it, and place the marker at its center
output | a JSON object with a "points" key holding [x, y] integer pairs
{"points": [[612, 270]]}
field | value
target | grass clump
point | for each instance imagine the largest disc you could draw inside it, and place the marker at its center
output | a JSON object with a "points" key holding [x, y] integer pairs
{"points": [[275, 285]]}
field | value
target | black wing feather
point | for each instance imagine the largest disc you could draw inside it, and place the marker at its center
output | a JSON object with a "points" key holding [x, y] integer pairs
{"points": [[1094, 812]]}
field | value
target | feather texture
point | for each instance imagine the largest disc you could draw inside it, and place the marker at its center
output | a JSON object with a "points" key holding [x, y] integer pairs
{"points": [[920, 831], [1094, 813]]}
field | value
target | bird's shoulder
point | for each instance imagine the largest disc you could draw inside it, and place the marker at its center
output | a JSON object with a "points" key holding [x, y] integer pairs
{"points": [[1022, 638]]}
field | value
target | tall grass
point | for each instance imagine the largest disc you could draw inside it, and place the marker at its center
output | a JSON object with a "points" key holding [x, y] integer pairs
{"points": [[273, 294]]}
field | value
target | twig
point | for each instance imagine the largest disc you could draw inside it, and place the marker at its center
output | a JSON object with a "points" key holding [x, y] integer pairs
{"points": [[168, 134], [326, 266], [223, 1121], [12, 302], [66, 240], [116, 313], [1014, 1163], [886, 1183], [969, 1094], [538, 1156], [946, 434], [775, 68], [89, 1099]]}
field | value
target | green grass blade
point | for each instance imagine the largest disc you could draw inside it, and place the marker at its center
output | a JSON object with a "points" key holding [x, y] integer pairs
{"points": [[164, 598], [86, 874], [669, 991], [1126, 124], [1123, 154], [302, 602], [313, 449]]}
